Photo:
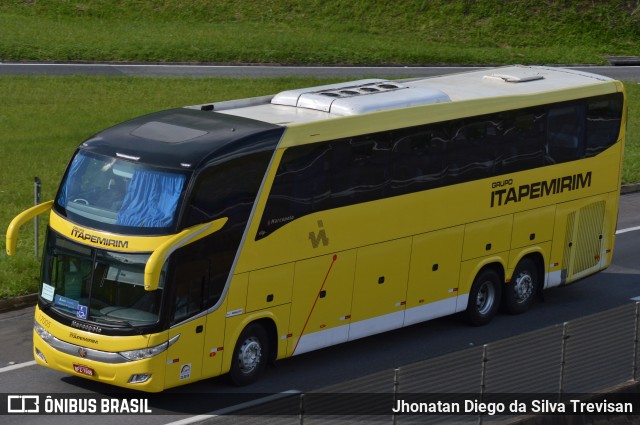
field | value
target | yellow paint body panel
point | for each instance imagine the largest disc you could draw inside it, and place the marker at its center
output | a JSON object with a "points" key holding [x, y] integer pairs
{"points": [[185, 357], [214, 341], [322, 298], [380, 285], [237, 294], [487, 237], [269, 287], [435, 266], [533, 227]]}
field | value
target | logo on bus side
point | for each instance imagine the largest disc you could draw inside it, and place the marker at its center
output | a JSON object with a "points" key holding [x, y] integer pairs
{"points": [[538, 189], [320, 237]]}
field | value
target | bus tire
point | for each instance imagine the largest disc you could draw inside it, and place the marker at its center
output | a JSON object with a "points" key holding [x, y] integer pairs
{"points": [[250, 355], [484, 297], [520, 293]]}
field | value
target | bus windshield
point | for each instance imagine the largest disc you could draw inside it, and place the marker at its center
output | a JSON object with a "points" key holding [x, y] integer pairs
{"points": [[119, 195], [96, 285]]}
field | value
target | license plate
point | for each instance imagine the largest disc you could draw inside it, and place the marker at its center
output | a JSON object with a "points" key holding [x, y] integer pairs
{"points": [[85, 370]]}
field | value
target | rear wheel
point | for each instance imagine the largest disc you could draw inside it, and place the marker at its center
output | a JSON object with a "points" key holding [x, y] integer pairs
{"points": [[484, 297], [250, 355], [520, 293]]}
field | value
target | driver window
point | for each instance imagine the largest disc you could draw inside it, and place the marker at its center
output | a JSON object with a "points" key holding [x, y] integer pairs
{"points": [[190, 279]]}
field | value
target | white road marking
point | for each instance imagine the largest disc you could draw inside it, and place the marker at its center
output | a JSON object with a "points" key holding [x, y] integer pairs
{"points": [[629, 229], [17, 366]]}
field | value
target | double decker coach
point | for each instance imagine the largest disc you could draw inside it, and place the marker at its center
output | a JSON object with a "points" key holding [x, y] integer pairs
{"points": [[213, 239]]}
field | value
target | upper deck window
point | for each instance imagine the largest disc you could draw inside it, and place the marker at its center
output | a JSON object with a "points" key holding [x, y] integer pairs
{"points": [[118, 195]]}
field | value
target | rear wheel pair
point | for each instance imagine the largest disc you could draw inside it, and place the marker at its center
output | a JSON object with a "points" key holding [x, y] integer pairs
{"points": [[487, 291]]}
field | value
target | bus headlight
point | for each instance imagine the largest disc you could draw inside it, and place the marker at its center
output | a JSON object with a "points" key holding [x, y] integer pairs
{"points": [[145, 353], [43, 333]]}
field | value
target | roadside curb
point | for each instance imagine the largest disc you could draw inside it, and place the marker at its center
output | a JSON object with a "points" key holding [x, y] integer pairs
{"points": [[623, 60], [9, 304], [630, 188]]}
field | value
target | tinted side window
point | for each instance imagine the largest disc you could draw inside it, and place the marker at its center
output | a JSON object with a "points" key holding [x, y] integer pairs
{"points": [[360, 169], [190, 280], [343, 172], [227, 190], [470, 153], [302, 185], [417, 161], [603, 116], [197, 275], [522, 142], [565, 129]]}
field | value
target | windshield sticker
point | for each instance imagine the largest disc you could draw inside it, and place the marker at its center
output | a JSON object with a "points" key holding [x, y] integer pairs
{"points": [[66, 303], [81, 313], [47, 292]]}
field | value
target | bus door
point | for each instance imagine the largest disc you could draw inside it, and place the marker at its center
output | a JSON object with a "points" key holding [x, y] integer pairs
{"points": [[184, 357]]}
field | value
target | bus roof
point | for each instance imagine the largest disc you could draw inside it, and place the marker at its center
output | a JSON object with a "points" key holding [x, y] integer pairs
{"points": [[183, 138], [371, 95], [187, 137]]}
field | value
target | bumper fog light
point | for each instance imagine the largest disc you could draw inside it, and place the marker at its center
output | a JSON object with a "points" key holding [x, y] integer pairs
{"points": [[139, 378], [40, 355]]}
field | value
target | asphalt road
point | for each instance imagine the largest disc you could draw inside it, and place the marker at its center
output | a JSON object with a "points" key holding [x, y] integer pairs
{"points": [[611, 288], [623, 73]]}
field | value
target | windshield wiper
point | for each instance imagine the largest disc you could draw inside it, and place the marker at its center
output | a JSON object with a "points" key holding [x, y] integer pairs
{"points": [[124, 322]]}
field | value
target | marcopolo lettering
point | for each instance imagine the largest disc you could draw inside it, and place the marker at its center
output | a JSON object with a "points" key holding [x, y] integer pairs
{"points": [[80, 233], [85, 327], [540, 189]]}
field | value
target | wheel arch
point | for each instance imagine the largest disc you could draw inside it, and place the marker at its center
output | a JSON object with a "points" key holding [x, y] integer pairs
{"points": [[469, 275], [496, 266], [269, 324], [272, 335]]}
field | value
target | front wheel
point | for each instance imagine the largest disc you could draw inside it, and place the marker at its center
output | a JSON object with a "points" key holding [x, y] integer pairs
{"points": [[249, 356], [520, 293], [484, 297]]}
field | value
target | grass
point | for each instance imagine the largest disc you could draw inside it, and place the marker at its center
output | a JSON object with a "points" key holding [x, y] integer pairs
{"points": [[631, 167], [44, 118], [320, 32]]}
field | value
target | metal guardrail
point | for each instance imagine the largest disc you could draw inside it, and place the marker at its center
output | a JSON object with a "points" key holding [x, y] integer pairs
{"points": [[583, 356]]}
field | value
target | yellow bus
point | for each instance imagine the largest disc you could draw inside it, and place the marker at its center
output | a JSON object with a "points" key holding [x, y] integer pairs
{"points": [[214, 239]]}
